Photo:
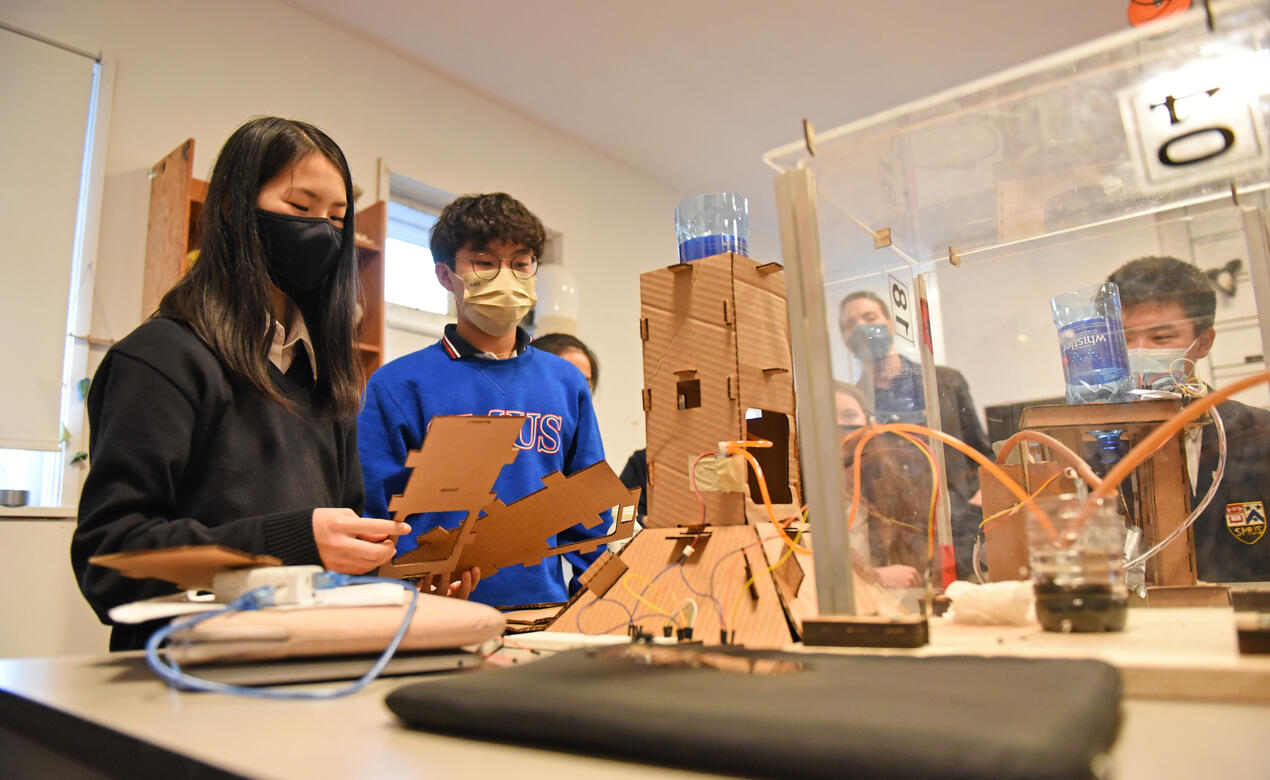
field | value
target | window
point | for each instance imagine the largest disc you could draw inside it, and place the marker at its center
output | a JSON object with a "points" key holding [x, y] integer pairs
{"points": [[409, 276], [418, 307], [689, 393], [53, 216]]}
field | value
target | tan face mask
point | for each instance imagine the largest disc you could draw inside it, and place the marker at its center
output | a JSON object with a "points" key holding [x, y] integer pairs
{"points": [[495, 306]]}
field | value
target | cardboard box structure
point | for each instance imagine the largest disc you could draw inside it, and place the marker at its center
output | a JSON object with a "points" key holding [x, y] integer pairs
{"points": [[717, 367]]}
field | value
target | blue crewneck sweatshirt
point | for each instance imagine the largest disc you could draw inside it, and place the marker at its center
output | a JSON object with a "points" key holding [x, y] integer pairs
{"points": [[449, 378]]}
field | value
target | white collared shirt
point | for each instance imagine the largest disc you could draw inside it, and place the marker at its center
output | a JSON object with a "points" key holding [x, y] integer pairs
{"points": [[282, 349]]}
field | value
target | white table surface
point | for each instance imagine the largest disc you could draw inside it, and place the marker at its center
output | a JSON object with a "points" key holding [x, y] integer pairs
{"points": [[358, 736]]}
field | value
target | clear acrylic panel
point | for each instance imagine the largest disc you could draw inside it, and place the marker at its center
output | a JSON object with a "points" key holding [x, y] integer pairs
{"points": [[1132, 124], [954, 221]]}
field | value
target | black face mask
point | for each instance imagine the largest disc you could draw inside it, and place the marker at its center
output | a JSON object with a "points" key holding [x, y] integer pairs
{"points": [[302, 251]]}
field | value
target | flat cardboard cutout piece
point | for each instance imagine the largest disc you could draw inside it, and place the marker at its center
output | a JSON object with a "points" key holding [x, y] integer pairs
{"points": [[521, 533], [191, 567], [454, 470]]}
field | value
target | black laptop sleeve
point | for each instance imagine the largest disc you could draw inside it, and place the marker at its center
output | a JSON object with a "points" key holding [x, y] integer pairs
{"points": [[794, 715]]}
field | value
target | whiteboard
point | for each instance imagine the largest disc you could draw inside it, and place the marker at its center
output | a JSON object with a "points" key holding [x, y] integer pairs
{"points": [[45, 95]]}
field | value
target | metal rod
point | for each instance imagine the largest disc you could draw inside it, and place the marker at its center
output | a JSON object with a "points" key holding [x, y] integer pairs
{"points": [[44, 39]]}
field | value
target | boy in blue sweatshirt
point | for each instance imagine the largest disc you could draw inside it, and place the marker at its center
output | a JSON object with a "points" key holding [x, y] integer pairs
{"points": [[486, 249]]}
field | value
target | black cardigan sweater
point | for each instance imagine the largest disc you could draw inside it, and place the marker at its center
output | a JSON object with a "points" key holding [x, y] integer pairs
{"points": [[184, 453]]}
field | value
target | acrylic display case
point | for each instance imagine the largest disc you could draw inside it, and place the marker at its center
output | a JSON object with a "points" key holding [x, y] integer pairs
{"points": [[965, 213]]}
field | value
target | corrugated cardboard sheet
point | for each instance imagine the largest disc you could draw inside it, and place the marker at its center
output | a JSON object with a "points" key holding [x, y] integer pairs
{"points": [[524, 531], [454, 470], [457, 464], [715, 574], [654, 587], [190, 567], [721, 322]]}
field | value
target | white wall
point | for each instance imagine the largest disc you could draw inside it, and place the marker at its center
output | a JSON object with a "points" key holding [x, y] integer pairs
{"points": [[197, 69], [42, 611], [190, 69]]}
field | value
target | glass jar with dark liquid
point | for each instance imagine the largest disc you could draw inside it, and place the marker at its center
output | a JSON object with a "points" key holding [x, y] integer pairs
{"points": [[1076, 566]]}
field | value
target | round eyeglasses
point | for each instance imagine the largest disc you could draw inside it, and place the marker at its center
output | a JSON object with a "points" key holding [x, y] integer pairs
{"points": [[523, 265]]}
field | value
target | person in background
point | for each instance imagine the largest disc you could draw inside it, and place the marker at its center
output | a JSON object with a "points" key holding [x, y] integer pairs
{"points": [[635, 475], [890, 496], [1168, 309], [573, 350], [228, 417], [894, 383], [486, 249]]}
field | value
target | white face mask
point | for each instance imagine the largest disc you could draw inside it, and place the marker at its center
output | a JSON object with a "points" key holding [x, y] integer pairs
{"points": [[1160, 369], [495, 306]]}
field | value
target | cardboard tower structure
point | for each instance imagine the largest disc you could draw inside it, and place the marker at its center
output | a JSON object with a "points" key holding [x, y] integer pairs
{"points": [[717, 368]]}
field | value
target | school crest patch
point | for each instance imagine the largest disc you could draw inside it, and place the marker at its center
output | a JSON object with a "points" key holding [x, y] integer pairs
{"points": [[1246, 521]]}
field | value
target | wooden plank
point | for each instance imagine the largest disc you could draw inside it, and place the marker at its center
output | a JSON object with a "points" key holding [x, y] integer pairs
{"points": [[1175, 564], [167, 237], [1095, 415], [372, 230]]}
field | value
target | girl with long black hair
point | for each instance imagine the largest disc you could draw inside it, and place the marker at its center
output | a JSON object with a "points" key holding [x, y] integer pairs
{"points": [[229, 416]]}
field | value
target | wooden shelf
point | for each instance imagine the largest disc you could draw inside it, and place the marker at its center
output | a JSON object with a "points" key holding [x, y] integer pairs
{"points": [[176, 207]]}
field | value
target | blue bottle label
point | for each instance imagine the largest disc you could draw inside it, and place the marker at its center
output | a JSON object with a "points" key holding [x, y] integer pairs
{"points": [[1094, 351]]}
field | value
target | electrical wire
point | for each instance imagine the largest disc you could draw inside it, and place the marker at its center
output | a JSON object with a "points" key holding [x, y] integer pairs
{"points": [[718, 608], [1068, 472], [873, 512], [652, 583], [935, 483], [1074, 460], [638, 597], [1218, 473], [258, 599], [1156, 439], [736, 601], [865, 434], [633, 620], [688, 602], [630, 616], [742, 448]]}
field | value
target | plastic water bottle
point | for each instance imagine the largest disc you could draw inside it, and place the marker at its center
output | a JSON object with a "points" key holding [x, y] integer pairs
{"points": [[1091, 338], [708, 225]]}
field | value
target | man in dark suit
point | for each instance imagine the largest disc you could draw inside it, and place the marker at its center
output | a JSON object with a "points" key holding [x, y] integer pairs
{"points": [[1168, 310]]}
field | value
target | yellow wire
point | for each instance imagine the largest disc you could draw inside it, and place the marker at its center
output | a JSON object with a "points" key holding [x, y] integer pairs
{"points": [[645, 601], [741, 448], [1018, 504], [934, 491], [873, 512], [736, 601], [657, 588], [661, 594], [865, 434]]}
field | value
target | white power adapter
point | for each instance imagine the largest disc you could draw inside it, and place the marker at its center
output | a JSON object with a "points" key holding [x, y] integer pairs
{"points": [[291, 584]]}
